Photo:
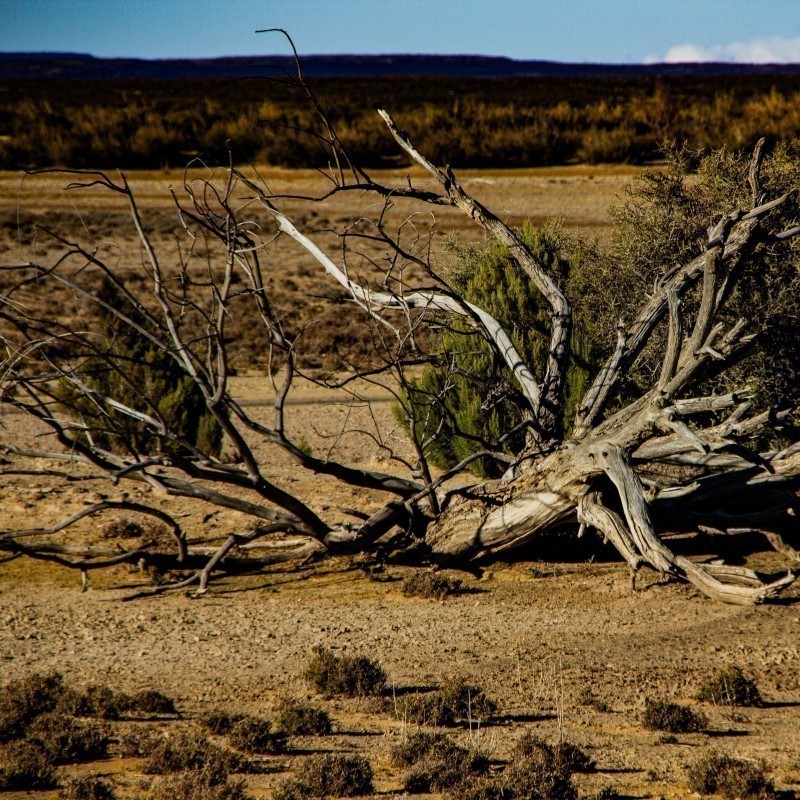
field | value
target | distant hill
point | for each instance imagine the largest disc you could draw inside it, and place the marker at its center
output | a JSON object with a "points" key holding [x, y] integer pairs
{"points": [[53, 66]]}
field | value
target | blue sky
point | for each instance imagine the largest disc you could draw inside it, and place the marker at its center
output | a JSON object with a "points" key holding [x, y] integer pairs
{"points": [[564, 30]]}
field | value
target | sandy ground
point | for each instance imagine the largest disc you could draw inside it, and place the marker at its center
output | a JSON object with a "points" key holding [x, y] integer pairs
{"points": [[546, 639]]}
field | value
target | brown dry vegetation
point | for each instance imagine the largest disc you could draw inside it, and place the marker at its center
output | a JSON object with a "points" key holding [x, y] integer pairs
{"points": [[566, 650]]}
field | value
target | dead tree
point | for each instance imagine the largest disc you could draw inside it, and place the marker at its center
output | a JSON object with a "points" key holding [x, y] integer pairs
{"points": [[597, 477]]}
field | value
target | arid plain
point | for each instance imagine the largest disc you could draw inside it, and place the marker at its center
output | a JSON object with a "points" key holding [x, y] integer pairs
{"points": [[565, 647]]}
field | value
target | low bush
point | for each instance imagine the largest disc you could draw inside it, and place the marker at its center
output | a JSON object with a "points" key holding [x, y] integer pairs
{"points": [[467, 700], [351, 676], [25, 766], [195, 786], [219, 722], [95, 701], [300, 719], [456, 700], [151, 702], [330, 775], [23, 700], [565, 753], [87, 787], [436, 763], [662, 715], [67, 741], [100, 701], [137, 743], [186, 752], [430, 585], [730, 777], [425, 709], [730, 687], [255, 735]]}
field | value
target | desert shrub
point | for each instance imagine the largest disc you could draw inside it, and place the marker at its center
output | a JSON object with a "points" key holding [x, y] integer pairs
{"points": [[425, 709], [731, 777], [187, 752], [436, 762], [330, 775], [100, 701], [456, 700], [478, 412], [663, 221], [534, 773], [25, 766], [663, 715], [254, 735], [431, 585], [151, 702], [94, 701], [351, 676], [134, 371], [219, 722], [565, 753], [299, 719], [196, 786], [467, 700], [137, 743], [21, 701], [87, 787], [68, 741], [730, 687]]}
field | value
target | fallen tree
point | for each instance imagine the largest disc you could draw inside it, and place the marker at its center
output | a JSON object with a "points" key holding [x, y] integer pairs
{"points": [[674, 457]]}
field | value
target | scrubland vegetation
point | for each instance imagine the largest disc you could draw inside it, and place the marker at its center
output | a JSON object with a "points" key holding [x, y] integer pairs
{"points": [[178, 761], [466, 123]]}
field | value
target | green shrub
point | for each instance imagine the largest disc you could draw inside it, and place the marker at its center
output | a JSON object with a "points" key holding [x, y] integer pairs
{"points": [[68, 741], [130, 369], [730, 687], [731, 777], [351, 676], [25, 766], [87, 787], [300, 719], [473, 414], [21, 701], [254, 735], [662, 715], [430, 585], [330, 775]]}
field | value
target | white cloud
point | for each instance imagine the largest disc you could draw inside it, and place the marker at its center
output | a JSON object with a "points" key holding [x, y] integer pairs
{"points": [[772, 50]]}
